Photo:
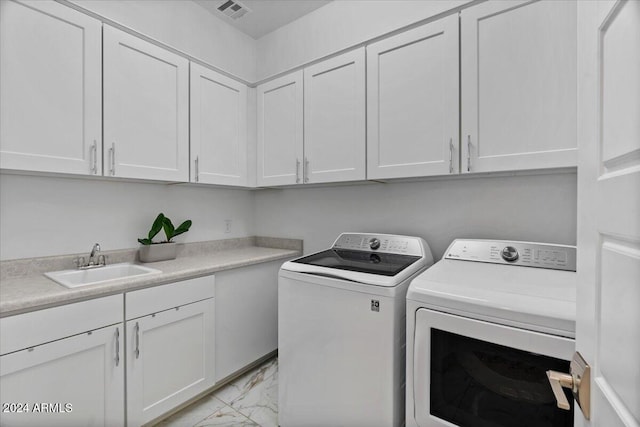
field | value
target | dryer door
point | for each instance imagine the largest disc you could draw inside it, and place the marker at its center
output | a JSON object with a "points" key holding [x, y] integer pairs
{"points": [[473, 373]]}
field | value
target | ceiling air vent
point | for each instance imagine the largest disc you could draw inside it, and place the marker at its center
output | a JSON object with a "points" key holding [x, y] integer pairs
{"points": [[233, 9]]}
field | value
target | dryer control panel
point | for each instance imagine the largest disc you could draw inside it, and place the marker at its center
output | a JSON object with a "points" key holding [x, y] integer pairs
{"points": [[524, 254]]}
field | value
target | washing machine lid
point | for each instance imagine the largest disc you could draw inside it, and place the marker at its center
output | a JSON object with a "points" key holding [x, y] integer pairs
{"points": [[383, 264], [538, 299], [367, 258]]}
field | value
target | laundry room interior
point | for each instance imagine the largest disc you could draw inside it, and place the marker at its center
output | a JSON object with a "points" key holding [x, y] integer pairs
{"points": [[319, 213]]}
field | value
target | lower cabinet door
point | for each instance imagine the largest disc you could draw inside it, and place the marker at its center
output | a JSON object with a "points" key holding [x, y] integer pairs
{"points": [[170, 359], [76, 381]]}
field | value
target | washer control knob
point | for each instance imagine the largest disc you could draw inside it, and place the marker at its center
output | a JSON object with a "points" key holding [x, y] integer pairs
{"points": [[509, 253], [374, 243]]}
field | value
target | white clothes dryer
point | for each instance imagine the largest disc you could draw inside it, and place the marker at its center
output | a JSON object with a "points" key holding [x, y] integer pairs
{"points": [[484, 324]]}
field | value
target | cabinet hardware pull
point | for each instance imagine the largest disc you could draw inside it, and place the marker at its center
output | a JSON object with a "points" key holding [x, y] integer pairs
{"points": [[112, 155], [117, 346], [197, 168], [94, 157], [297, 170], [468, 153], [306, 169], [450, 155], [137, 340]]}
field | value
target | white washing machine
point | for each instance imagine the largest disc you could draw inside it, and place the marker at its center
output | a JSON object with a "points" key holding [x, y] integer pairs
{"points": [[484, 324], [341, 331]]}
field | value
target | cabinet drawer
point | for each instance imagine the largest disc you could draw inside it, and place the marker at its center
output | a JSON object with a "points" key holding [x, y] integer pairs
{"points": [[152, 300], [30, 329]]}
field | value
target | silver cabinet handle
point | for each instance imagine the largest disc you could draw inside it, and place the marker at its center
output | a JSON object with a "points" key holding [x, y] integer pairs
{"points": [[468, 153], [197, 173], [117, 346], [297, 171], [112, 156], [306, 169], [137, 340], [450, 155], [94, 157]]}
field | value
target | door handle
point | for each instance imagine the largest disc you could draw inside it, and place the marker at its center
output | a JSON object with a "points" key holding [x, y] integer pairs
{"points": [[578, 380], [112, 154], [306, 170], [450, 155], [468, 153], [94, 157], [137, 340], [297, 171], [117, 346], [197, 167]]}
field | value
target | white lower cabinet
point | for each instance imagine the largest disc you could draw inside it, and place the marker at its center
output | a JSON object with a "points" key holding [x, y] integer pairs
{"points": [[170, 350], [75, 380], [246, 316]]}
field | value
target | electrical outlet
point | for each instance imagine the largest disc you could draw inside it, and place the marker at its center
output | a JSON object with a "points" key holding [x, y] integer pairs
{"points": [[227, 225]]}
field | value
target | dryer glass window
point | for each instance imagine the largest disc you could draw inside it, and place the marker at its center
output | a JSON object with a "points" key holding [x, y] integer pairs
{"points": [[480, 384], [364, 262]]}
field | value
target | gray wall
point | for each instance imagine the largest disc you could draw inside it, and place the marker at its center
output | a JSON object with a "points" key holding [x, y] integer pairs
{"points": [[536, 208]]}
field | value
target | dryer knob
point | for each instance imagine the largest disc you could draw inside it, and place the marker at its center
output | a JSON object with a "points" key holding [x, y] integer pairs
{"points": [[509, 253], [374, 243]]}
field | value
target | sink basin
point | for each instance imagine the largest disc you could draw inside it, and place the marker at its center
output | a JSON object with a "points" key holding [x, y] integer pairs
{"points": [[78, 278]]}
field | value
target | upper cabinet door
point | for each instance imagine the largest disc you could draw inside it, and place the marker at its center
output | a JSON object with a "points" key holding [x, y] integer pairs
{"points": [[218, 128], [146, 109], [334, 119], [50, 80], [280, 127], [413, 102], [519, 85]]}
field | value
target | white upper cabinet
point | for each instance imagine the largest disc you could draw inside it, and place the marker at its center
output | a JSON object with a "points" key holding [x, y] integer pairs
{"points": [[146, 109], [218, 128], [334, 119], [280, 131], [50, 81], [518, 85], [413, 102]]}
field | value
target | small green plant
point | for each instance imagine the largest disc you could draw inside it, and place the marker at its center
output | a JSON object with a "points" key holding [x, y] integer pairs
{"points": [[162, 222]]}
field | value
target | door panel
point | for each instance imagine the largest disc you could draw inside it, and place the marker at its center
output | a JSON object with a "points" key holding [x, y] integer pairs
{"points": [[50, 79], [146, 109], [334, 119], [85, 371], [609, 208], [170, 359], [280, 130], [412, 104], [518, 85], [218, 128]]}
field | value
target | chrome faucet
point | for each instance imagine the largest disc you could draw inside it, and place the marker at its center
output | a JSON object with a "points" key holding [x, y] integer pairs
{"points": [[96, 259]]}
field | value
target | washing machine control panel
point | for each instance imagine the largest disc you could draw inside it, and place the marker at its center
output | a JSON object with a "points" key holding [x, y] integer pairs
{"points": [[386, 243], [524, 254]]}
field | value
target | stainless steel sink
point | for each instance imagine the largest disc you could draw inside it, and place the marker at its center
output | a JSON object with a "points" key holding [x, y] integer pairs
{"points": [[78, 278]]}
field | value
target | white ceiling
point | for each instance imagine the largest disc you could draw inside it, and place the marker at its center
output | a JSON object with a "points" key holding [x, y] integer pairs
{"points": [[265, 15]]}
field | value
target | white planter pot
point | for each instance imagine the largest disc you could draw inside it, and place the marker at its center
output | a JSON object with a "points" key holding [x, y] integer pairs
{"points": [[158, 252]]}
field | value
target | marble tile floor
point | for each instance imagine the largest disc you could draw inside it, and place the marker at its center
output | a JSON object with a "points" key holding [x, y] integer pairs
{"points": [[250, 400]]}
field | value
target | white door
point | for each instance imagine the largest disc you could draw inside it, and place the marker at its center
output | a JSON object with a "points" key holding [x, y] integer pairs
{"points": [[334, 119], [50, 80], [146, 109], [280, 127], [218, 128], [413, 102], [608, 324], [518, 85], [79, 380], [170, 359]]}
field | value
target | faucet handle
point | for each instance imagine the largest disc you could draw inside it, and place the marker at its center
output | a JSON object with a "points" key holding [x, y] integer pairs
{"points": [[79, 261], [102, 259]]}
